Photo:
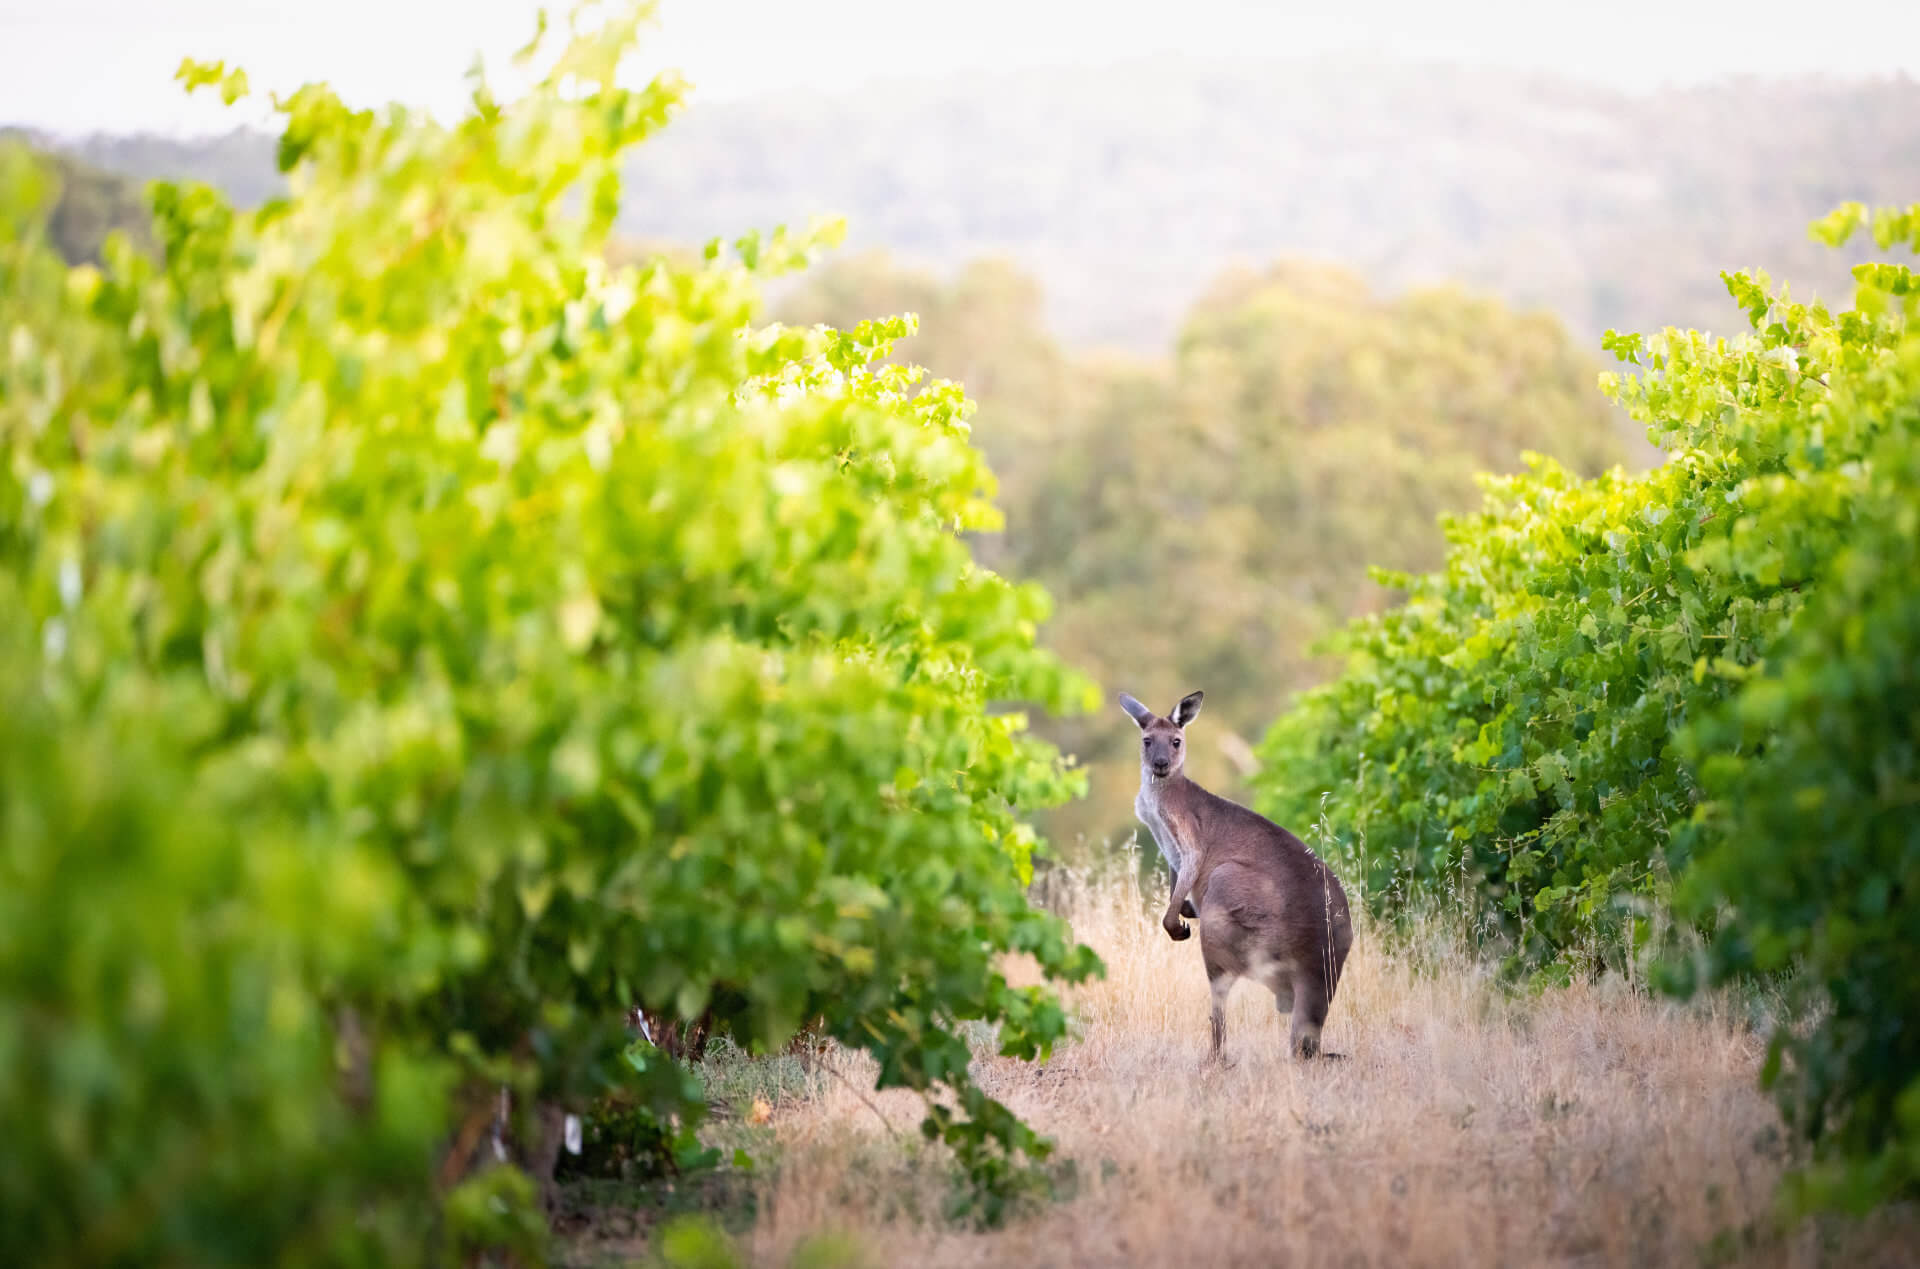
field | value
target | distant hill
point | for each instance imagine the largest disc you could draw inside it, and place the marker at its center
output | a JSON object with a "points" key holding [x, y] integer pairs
{"points": [[240, 162], [1125, 190]]}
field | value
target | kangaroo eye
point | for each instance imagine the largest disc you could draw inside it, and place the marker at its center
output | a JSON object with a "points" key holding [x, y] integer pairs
{"points": [[1176, 742]]}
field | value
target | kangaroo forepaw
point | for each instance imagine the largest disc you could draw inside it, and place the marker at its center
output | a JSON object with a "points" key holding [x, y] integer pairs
{"points": [[1176, 928], [1186, 908]]}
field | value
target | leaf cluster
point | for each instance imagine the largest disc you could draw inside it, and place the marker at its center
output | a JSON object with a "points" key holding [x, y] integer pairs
{"points": [[580, 640], [1703, 672]]}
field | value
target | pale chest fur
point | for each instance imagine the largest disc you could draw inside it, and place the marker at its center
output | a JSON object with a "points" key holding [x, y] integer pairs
{"points": [[1150, 807]]}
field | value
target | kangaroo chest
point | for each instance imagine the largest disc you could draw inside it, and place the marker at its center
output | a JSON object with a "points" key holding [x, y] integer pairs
{"points": [[1167, 827]]}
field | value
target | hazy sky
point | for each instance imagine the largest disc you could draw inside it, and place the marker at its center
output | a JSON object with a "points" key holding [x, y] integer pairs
{"points": [[75, 65]]}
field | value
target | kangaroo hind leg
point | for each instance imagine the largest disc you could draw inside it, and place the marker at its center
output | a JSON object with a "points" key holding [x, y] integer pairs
{"points": [[1309, 994], [1221, 981]]}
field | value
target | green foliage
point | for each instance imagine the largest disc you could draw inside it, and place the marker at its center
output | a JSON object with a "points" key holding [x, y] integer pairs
{"points": [[1711, 664], [697, 1242], [1513, 721], [495, 1211], [694, 1242], [176, 1085], [626, 1136], [1808, 842], [576, 641]]}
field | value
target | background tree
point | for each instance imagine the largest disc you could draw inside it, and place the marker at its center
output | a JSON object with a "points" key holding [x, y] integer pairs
{"points": [[1202, 523]]}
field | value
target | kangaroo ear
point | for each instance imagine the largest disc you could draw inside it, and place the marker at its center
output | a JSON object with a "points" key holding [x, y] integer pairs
{"points": [[1135, 710], [1187, 710]]}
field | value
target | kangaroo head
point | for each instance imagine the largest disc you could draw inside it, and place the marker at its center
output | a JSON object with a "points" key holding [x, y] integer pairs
{"points": [[1162, 740]]}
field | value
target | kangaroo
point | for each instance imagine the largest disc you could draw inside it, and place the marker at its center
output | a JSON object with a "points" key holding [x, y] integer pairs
{"points": [[1268, 908]]}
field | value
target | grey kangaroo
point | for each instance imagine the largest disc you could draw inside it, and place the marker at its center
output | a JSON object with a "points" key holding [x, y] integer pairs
{"points": [[1269, 909]]}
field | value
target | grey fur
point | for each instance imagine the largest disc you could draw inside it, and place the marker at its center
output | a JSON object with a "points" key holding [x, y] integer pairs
{"points": [[1269, 909]]}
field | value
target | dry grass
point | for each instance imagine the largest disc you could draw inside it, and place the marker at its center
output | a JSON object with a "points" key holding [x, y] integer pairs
{"points": [[1467, 1126]]}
